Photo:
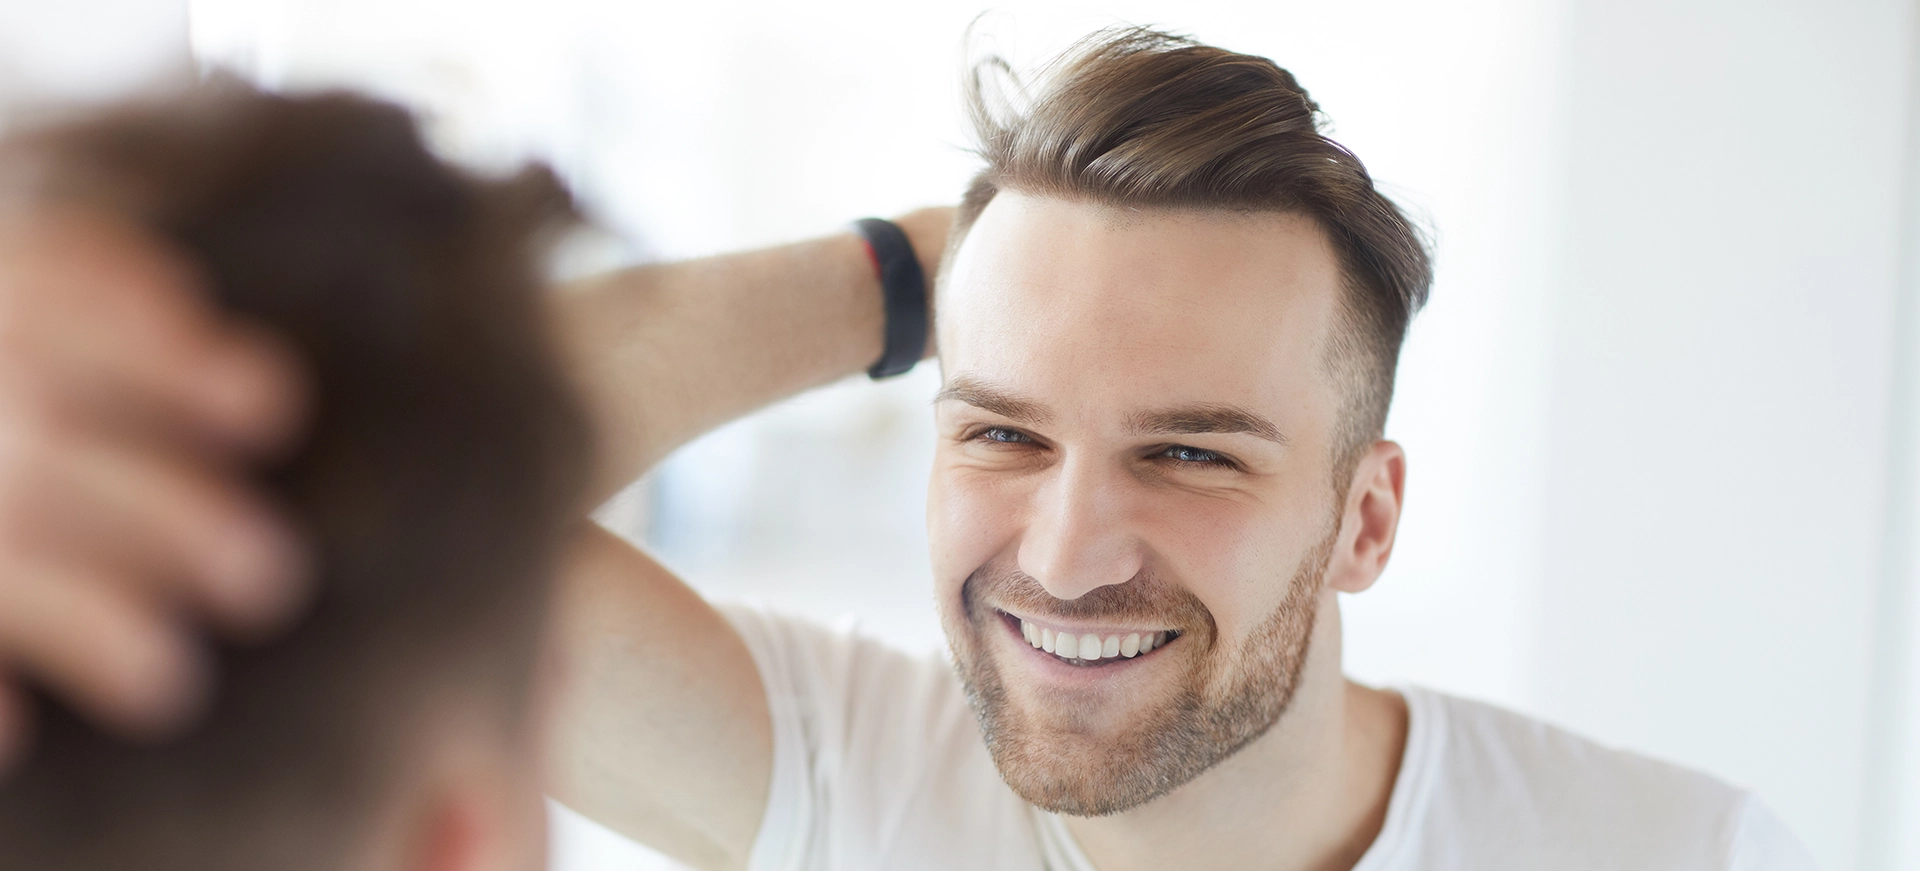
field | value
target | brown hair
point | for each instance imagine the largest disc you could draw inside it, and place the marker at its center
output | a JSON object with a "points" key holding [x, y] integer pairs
{"points": [[1136, 117], [443, 463]]}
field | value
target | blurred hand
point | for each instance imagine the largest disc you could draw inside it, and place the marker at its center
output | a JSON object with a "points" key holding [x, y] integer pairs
{"points": [[130, 409]]}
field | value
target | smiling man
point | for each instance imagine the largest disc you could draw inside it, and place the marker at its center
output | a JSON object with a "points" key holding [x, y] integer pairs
{"points": [[1169, 338], [1168, 327]]}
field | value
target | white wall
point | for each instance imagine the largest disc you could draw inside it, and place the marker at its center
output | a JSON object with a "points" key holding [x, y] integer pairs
{"points": [[1723, 390], [1892, 818], [78, 49]]}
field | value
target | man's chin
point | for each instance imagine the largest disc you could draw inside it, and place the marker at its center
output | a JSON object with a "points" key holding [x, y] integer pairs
{"points": [[1096, 753], [1087, 750], [1076, 759], [1074, 777], [1077, 730]]}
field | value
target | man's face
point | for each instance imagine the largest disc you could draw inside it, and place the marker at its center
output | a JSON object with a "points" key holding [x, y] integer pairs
{"points": [[1135, 440]]}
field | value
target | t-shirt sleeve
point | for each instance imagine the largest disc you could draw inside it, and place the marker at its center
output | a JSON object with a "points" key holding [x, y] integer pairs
{"points": [[875, 755], [1762, 842], [786, 828]]}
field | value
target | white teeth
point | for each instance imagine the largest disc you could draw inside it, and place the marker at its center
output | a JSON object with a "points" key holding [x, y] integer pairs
{"points": [[1089, 646]]}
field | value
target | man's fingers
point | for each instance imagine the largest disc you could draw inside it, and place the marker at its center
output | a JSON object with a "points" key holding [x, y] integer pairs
{"points": [[184, 532], [96, 312], [130, 404], [112, 656], [255, 388], [227, 387]]}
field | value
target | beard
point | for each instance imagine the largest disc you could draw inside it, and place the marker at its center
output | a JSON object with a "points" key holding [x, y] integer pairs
{"points": [[1222, 701]]}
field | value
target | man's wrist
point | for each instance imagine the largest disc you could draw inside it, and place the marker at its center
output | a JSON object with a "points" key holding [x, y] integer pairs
{"points": [[903, 287], [927, 231]]}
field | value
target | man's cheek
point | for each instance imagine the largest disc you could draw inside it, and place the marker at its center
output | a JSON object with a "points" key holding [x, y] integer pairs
{"points": [[965, 529], [1235, 561]]}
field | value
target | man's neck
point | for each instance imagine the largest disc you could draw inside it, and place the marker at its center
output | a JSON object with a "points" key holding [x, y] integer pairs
{"points": [[1309, 795]]}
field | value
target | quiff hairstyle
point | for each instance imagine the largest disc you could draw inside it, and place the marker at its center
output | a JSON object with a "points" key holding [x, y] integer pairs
{"points": [[442, 466], [1137, 117]]}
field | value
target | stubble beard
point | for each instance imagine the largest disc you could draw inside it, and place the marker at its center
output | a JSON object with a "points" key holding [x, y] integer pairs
{"points": [[1224, 701]]}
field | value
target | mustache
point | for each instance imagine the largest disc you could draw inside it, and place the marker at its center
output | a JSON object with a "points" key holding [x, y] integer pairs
{"points": [[1146, 598]]}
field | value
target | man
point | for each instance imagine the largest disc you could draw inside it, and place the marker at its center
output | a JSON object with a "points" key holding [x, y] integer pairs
{"points": [[396, 726], [1168, 331]]}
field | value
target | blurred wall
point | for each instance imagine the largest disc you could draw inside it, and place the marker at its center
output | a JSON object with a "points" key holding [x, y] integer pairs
{"points": [[85, 48], [79, 49], [1720, 463]]}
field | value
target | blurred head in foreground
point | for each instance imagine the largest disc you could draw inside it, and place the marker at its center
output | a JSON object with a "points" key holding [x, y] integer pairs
{"points": [[392, 729]]}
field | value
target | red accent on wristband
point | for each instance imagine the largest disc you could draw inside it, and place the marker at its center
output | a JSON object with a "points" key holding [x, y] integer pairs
{"points": [[873, 257]]}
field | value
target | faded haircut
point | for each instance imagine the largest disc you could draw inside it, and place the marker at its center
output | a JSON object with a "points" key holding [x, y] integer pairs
{"points": [[1136, 117], [443, 462]]}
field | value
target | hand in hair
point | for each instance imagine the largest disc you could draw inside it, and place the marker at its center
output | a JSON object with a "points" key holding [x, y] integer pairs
{"points": [[128, 408]]}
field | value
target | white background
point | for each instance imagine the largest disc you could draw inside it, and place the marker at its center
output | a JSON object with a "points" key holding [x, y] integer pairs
{"points": [[1660, 414]]}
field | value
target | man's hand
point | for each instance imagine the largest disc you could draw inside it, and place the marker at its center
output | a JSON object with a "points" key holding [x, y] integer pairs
{"points": [[129, 410]]}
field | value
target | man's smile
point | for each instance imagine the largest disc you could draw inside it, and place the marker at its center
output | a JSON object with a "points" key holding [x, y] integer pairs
{"points": [[1088, 646]]}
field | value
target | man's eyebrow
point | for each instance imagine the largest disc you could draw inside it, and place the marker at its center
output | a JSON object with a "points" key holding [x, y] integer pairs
{"points": [[989, 397], [1195, 419]]}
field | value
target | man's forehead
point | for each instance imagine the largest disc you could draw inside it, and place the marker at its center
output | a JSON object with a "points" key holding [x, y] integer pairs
{"points": [[1059, 251], [1150, 295]]}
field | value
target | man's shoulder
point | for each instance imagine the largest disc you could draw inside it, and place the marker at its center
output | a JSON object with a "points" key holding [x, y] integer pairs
{"points": [[838, 653], [1526, 788], [1484, 743], [861, 704], [877, 759]]}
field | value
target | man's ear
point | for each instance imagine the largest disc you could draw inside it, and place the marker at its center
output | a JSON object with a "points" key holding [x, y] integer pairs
{"points": [[474, 808], [454, 834], [1370, 518]]}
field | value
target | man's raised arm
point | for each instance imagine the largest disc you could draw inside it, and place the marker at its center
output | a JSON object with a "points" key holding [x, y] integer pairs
{"points": [[662, 731], [670, 351]]}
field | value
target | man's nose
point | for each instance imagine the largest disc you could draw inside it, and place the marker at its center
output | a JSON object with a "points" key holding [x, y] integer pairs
{"points": [[1077, 537]]}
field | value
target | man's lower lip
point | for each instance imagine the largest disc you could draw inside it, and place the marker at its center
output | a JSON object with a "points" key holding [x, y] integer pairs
{"points": [[1012, 624]]}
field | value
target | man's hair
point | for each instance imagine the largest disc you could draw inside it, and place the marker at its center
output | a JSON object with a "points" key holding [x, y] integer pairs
{"points": [[443, 463], [1136, 117]]}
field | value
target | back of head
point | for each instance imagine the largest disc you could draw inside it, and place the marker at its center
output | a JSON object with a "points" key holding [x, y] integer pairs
{"points": [[1139, 118], [437, 477]]}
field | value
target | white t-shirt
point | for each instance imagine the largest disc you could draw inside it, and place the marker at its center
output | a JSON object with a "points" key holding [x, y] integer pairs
{"points": [[878, 766]]}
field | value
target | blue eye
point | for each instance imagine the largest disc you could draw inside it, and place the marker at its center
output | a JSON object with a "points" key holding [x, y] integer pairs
{"points": [[1004, 436], [1184, 454]]}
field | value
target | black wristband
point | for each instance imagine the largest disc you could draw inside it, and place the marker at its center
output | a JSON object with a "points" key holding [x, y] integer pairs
{"points": [[904, 287]]}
